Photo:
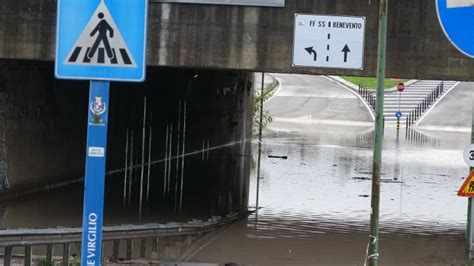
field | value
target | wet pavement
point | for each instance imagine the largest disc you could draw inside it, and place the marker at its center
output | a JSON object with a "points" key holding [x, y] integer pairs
{"points": [[315, 205], [452, 112]]}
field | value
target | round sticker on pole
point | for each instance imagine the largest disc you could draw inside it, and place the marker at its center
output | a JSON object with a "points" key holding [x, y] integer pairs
{"points": [[400, 87], [469, 155]]}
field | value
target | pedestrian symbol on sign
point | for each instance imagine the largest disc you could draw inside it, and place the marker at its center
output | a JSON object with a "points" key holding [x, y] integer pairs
{"points": [[102, 28], [101, 37]]}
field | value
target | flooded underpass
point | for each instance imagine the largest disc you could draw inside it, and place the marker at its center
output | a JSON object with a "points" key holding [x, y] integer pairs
{"points": [[314, 195], [315, 205]]}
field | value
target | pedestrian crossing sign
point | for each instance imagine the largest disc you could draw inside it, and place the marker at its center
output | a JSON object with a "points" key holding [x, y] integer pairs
{"points": [[467, 188], [101, 40]]}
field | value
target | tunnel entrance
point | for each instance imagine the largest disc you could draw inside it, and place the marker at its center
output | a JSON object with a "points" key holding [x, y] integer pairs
{"points": [[196, 142]]}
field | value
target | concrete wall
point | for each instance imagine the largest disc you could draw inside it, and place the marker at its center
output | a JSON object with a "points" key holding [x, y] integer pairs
{"points": [[44, 126], [255, 38], [46, 131]]}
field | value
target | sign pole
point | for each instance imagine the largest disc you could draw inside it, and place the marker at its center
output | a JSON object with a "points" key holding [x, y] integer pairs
{"points": [[470, 205], [260, 140], [94, 180], [373, 254]]}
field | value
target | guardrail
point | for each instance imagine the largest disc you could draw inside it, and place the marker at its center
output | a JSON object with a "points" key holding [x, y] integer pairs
{"points": [[431, 98], [368, 96], [27, 238], [419, 138]]}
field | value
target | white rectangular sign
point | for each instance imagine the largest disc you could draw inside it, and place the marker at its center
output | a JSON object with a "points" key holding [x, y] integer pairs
{"points": [[279, 3], [459, 3], [96, 152], [329, 41]]}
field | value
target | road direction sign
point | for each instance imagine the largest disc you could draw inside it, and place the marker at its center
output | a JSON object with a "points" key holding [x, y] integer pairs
{"points": [[101, 40], [468, 155], [467, 188], [328, 41], [456, 18], [398, 114]]}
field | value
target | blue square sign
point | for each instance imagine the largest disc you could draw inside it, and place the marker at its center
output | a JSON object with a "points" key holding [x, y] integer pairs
{"points": [[101, 40]]}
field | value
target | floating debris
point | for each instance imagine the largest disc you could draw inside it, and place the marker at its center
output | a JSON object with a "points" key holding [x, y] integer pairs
{"points": [[278, 157]]}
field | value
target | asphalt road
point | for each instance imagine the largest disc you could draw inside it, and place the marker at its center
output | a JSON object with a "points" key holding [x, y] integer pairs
{"points": [[306, 100], [453, 112]]}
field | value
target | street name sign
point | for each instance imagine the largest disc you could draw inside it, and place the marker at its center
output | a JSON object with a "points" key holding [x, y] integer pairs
{"points": [[457, 19], [101, 40], [467, 188], [468, 155], [328, 41]]}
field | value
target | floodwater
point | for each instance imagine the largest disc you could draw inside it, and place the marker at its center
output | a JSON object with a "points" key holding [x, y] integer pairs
{"points": [[315, 205], [329, 176]]}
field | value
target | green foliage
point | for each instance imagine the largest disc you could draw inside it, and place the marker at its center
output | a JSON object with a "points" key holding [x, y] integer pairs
{"points": [[268, 91], [371, 83], [75, 262], [44, 262]]}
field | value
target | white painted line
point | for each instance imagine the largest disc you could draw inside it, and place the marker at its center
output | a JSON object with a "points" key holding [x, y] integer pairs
{"points": [[439, 100], [442, 128], [371, 112]]}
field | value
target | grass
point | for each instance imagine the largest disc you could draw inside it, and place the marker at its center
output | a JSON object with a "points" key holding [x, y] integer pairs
{"points": [[371, 83]]}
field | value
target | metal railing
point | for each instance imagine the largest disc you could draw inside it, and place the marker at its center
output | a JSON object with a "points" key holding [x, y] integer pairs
{"points": [[66, 237], [419, 138], [426, 103], [368, 96]]}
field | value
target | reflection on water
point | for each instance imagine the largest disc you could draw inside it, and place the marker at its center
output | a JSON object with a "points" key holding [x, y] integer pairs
{"points": [[3, 215], [328, 177], [315, 204]]}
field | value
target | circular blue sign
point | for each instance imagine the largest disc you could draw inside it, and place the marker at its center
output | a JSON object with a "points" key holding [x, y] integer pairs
{"points": [[398, 114], [457, 20]]}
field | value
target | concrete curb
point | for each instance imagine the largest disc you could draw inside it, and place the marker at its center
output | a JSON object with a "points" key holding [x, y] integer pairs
{"points": [[354, 89], [436, 103], [275, 90], [269, 79], [344, 82], [408, 83]]}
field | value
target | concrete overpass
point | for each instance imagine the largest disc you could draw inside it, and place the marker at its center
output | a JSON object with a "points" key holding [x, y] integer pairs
{"points": [[203, 55], [254, 38]]}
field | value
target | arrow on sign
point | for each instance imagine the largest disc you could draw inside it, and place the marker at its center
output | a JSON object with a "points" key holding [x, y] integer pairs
{"points": [[310, 50], [345, 50]]}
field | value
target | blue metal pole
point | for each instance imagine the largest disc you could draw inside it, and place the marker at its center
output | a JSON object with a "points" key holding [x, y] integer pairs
{"points": [[94, 180]]}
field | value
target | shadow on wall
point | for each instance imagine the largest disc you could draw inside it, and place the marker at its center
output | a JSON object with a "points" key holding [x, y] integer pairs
{"points": [[4, 107]]}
